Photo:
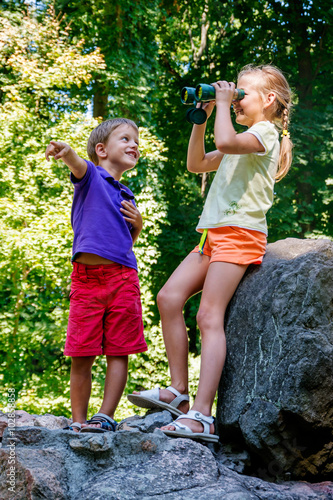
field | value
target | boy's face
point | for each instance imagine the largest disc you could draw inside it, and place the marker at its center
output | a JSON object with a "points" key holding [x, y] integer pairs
{"points": [[122, 148]]}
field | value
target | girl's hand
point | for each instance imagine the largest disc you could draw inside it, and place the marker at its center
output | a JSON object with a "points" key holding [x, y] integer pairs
{"points": [[224, 92], [207, 106], [132, 215]]}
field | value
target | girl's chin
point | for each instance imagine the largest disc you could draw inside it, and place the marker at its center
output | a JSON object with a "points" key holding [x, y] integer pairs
{"points": [[241, 120]]}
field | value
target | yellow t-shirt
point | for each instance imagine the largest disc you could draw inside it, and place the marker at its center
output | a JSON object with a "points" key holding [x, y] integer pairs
{"points": [[242, 190]]}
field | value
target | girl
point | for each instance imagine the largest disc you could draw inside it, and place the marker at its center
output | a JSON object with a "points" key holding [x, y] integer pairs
{"points": [[234, 230]]}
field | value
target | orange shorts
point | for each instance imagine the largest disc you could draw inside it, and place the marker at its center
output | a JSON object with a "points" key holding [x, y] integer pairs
{"points": [[234, 244]]}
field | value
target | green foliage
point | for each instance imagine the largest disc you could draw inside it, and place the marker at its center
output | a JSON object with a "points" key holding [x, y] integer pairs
{"points": [[134, 58], [125, 34], [35, 230]]}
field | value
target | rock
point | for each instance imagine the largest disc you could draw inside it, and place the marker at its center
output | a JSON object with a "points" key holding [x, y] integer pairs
{"points": [[152, 420], [275, 395], [131, 465], [22, 418]]}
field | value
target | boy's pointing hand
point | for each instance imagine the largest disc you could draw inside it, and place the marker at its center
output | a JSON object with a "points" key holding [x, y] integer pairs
{"points": [[57, 149]]}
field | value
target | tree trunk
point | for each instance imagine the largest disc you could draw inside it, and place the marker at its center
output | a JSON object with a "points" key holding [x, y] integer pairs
{"points": [[100, 100], [299, 26]]}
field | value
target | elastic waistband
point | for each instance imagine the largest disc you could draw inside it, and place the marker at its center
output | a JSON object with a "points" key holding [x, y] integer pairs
{"points": [[87, 269]]}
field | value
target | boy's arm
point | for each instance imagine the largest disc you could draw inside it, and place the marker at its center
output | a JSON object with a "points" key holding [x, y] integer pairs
{"points": [[132, 215], [62, 151], [198, 161]]}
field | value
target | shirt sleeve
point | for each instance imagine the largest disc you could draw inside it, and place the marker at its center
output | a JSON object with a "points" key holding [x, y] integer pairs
{"points": [[266, 134], [86, 177]]}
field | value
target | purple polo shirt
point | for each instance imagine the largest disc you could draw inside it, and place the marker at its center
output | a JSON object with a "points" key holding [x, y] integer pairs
{"points": [[99, 226]]}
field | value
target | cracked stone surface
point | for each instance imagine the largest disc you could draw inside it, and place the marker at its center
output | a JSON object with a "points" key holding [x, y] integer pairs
{"points": [[132, 464], [275, 395]]}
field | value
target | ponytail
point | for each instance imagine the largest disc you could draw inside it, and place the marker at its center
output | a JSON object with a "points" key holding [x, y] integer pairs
{"points": [[286, 146]]}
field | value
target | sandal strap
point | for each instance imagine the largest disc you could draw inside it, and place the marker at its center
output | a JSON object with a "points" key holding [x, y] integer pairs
{"points": [[76, 425], [205, 420], [151, 393], [102, 418], [179, 397], [155, 394]]}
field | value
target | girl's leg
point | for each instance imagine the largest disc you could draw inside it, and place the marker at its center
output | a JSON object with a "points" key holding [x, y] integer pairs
{"points": [[187, 280], [80, 383], [221, 282], [115, 382]]}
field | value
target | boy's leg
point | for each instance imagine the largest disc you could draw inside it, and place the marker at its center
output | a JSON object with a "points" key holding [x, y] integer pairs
{"points": [[80, 383], [115, 382], [187, 280], [221, 282]]}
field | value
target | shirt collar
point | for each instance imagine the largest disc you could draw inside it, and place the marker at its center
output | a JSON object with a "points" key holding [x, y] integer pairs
{"points": [[125, 191]]}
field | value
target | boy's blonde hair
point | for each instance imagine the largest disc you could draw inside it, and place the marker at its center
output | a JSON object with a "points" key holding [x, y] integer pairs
{"points": [[102, 132], [271, 79]]}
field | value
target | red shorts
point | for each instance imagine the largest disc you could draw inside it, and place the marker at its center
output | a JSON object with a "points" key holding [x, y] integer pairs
{"points": [[235, 245], [105, 315]]}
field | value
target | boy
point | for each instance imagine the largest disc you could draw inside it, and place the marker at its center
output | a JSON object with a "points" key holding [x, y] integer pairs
{"points": [[105, 314]]}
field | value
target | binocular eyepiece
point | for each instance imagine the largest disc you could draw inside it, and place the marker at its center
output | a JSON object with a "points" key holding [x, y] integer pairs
{"points": [[202, 93]]}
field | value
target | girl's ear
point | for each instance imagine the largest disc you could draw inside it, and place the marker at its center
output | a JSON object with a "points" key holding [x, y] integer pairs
{"points": [[271, 97], [100, 150]]}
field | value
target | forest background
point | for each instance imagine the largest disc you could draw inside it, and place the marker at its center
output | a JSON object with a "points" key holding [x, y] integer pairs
{"points": [[64, 66]]}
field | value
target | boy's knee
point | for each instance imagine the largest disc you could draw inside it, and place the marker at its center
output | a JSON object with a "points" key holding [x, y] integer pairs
{"points": [[82, 364]]}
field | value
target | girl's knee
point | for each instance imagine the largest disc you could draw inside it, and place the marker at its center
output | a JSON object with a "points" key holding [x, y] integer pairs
{"points": [[168, 300], [208, 320]]}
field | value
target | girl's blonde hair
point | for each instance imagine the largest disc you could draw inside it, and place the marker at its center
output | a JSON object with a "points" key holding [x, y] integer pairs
{"points": [[271, 79]]}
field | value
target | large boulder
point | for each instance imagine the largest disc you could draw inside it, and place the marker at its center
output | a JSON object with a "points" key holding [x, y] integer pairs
{"points": [[135, 462], [275, 395]]}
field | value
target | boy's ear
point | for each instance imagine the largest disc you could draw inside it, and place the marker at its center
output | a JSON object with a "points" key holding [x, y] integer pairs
{"points": [[100, 150], [271, 97]]}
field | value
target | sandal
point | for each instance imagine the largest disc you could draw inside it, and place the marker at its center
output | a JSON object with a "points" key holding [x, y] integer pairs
{"points": [[73, 427], [184, 431], [151, 399], [107, 424]]}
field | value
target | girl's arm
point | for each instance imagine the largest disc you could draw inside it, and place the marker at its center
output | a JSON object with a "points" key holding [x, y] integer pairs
{"points": [[198, 161], [226, 139], [62, 151]]}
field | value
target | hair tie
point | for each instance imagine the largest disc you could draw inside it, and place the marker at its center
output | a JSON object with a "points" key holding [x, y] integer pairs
{"points": [[285, 133]]}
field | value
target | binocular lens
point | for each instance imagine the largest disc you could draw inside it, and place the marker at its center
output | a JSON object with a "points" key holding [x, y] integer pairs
{"points": [[204, 92], [188, 95]]}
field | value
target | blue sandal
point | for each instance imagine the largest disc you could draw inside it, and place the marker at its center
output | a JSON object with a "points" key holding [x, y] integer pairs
{"points": [[107, 424]]}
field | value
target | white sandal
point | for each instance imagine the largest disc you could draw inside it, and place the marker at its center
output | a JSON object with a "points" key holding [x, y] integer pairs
{"points": [[151, 399], [184, 431]]}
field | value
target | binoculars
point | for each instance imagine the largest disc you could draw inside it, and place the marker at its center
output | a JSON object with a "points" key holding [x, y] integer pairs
{"points": [[202, 93]]}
